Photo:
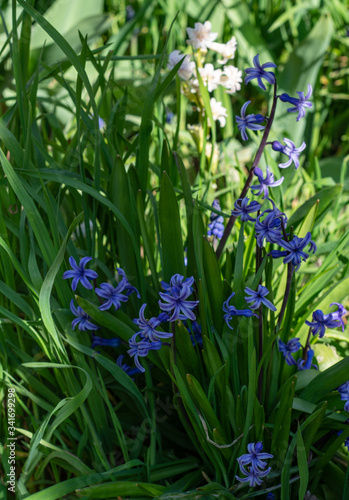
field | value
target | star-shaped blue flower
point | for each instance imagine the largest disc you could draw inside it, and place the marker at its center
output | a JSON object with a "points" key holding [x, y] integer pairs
{"points": [[322, 321], [289, 150], [293, 345], [265, 182], [79, 273], [231, 311], [259, 72], [125, 367], [299, 104], [113, 296], [243, 209], [294, 250], [339, 313], [175, 297], [141, 349], [250, 121], [255, 459], [258, 297], [82, 318], [128, 288], [148, 327], [269, 226]]}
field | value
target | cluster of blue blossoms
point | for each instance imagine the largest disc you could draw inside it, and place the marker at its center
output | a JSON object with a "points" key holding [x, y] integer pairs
{"points": [[175, 307], [318, 325], [253, 466]]}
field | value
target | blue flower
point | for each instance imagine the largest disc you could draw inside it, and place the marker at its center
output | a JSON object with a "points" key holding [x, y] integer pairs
{"points": [[79, 273], [344, 391], [242, 208], [338, 314], [257, 298], [259, 72], [299, 104], [265, 182], [175, 297], [147, 328], [128, 288], [82, 318], [250, 121], [104, 342], [231, 311], [169, 116], [113, 295], [216, 226], [127, 369], [289, 150], [322, 321], [293, 345], [141, 349], [307, 364], [269, 227], [271, 496], [294, 250], [254, 458]]}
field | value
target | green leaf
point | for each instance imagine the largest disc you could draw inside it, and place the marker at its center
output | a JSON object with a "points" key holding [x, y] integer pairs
{"points": [[302, 465], [327, 381], [214, 284], [170, 226]]}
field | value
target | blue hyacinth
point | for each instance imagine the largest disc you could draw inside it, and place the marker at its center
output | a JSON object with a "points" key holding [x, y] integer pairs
{"points": [[231, 311], [244, 209], [265, 182], [216, 226], [307, 363], [148, 327], [250, 121], [258, 297], [141, 348], [321, 321], [125, 367], [259, 72], [96, 341], [254, 459], [339, 313], [128, 289], [79, 273], [293, 345], [289, 150], [175, 298], [82, 318], [268, 226], [294, 250], [300, 104]]}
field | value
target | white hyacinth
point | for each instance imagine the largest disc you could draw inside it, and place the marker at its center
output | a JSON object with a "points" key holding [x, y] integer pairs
{"points": [[200, 36], [231, 79], [226, 50], [219, 112], [210, 77], [187, 67]]}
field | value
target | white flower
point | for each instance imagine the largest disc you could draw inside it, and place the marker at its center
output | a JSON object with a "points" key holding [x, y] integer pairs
{"points": [[231, 79], [226, 50], [187, 67], [218, 111], [200, 36], [210, 77]]}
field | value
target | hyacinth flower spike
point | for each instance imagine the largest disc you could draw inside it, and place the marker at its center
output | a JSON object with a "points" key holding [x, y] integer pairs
{"points": [[175, 298], [128, 287], [141, 349], [244, 209], [259, 72], [125, 367], [216, 226], [293, 345], [252, 122], [289, 150], [269, 226], [322, 321], [294, 250], [258, 297], [148, 327], [338, 314], [306, 364], [265, 182], [113, 296], [82, 318], [79, 273], [231, 311], [300, 104], [115, 342], [255, 459]]}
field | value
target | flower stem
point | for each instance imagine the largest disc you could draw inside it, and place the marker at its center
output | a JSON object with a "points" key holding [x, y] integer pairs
{"points": [[287, 294], [307, 346], [255, 164]]}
